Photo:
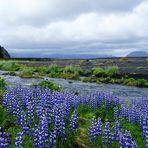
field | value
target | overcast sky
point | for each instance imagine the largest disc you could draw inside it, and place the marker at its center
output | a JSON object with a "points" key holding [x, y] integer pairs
{"points": [[42, 27]]}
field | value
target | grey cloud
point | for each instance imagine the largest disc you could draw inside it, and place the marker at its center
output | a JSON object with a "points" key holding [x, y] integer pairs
{"points": [[30, 27], [41, 12]]}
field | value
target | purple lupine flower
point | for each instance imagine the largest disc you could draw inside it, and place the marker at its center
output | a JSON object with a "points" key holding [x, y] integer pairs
{"points": [[133, 116], [95, 129], [92, 131], [117, 128], [108, 101], [93, 104], [144, 124], [127, 141], [43, 129], [146, 137], [30, 111], [99, 127], [59, 115], [54, 109], [107, 136], [53, 138], [73, 121], [116, 112], [35, 136], [4, 139], [60, 127], [18, 140]]}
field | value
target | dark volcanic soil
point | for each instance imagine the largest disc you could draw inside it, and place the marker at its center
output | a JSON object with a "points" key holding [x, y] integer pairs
{"points": [[135, 67]]}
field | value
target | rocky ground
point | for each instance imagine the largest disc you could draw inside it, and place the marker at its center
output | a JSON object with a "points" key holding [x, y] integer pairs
{"points": [[135, 67]]}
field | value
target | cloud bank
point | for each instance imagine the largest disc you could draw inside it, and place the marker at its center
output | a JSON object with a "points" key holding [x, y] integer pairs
{"points": [[73, 26]]}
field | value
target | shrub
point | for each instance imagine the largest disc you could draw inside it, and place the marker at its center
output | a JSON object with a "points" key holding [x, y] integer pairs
{"points": [[98, 82], [48, 84], [90, 79], [2, 83], [141, 82], [111, 71], [11, 73], [140, 67], [85, 72], [54, 74], [41, 70], [146, 84], [98, 72], [71, 70], [26, 73], [70, 76], [1, 95], [53, 68], [86, 79], [2, 86], [130, 82], [67, 73], [12, 66], [134, 82]]}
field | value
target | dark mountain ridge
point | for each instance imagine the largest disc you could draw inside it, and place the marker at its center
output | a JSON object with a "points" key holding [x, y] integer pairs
{"points": [[77, 56], [4, 53]]}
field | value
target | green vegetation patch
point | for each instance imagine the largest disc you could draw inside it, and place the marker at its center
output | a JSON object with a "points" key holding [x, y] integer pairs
{"points": [[10, 66], [48, 84]]}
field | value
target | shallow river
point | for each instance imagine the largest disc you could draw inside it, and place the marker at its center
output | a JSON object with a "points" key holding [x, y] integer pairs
{"points": [[124, 92]]}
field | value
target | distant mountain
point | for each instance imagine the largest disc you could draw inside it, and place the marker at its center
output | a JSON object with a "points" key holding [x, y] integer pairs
{"points": [[4, 53], [77, 56], [62, 56], [138, 54]]}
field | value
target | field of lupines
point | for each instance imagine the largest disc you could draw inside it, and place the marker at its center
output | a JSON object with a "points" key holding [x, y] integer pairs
{"points": [[37, 118]]}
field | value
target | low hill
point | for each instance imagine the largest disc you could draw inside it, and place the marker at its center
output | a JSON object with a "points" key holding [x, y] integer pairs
{"points": [[138, 54]]}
